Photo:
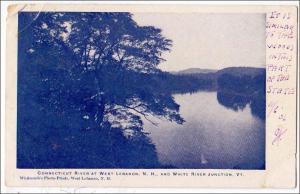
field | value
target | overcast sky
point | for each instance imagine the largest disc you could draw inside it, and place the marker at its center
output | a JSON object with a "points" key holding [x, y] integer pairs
{"points": [[210, 41]]}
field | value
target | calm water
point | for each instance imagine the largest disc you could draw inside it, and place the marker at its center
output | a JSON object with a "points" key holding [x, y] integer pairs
{"points": [[213, 136]]}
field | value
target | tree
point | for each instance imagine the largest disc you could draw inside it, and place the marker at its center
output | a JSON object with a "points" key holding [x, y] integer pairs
{"points": [[100, 65]]}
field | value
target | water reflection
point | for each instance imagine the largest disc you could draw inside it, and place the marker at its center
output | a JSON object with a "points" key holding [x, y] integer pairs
{"points": [[239, 102]]}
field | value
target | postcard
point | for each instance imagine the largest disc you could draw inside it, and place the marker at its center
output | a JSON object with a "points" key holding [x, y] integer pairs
{"points": [[151, 96]]}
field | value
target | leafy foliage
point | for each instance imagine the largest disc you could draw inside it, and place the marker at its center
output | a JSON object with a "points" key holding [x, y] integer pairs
{"points": [[90, 62]]}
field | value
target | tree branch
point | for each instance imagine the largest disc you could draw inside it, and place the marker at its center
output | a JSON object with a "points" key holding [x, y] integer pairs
{"points": [[143, 114]]}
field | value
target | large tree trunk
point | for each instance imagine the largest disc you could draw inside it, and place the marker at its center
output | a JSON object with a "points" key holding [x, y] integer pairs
{"points": [[101, 101]]}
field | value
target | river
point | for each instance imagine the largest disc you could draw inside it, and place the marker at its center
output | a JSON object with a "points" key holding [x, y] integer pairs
{"points": [[213, 136]]}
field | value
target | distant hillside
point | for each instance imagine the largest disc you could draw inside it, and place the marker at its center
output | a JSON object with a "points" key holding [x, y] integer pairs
{"points": [[193, 71], [242, 71], [237, 71]]}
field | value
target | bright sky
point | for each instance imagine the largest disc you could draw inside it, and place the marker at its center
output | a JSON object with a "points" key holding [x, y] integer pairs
{"points": [[210, 41]]}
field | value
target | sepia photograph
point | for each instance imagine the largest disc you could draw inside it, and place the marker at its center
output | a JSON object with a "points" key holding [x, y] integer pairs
{"points": [[132, 90]]}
